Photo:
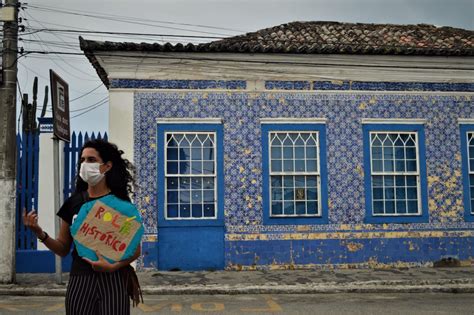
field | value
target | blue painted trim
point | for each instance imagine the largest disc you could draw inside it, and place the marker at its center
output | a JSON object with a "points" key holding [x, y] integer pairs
{"points": [[287, 85], [191, 248], [392, 86], [45, 124], [218, 128], [464, 129], [376, 229], [369, 217], [266, 129], [39, 261], [179, 84], [335, 251], [45, 120]]}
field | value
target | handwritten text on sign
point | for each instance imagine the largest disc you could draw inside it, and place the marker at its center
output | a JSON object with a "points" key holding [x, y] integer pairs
{"points": [[107, 230]]}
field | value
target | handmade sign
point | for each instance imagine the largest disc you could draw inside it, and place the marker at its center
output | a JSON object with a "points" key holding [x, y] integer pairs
{"points": [[109, 225]]}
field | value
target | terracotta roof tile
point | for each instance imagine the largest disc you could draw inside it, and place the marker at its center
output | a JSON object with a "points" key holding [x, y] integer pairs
{"points": [[324, 37], [316, 38]]}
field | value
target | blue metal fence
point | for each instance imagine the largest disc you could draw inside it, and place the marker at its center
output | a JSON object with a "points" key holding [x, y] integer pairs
{"points": [[26, 185], [28, 258], [27, 177]]}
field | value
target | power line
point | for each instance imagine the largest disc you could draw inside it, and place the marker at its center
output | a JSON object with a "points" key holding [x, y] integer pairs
{"points": [[160, 55], [21, 107], [88, 93], [29, 69], [77, 12], [89, 106], [105, 99], [127, 36], [73, 67], [45, 78], [120, 38], [122, 20], [50, 57], [97, 106], [37, 30], [66, 71], [50, 42], [63, 25]]}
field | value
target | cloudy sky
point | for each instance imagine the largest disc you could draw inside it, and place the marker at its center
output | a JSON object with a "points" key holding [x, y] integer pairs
{"points": [[89, 107]]}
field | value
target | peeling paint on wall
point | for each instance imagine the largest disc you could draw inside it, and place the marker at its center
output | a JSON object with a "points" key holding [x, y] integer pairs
{"points": [[446, 199], [353, 247], [369, 245]]}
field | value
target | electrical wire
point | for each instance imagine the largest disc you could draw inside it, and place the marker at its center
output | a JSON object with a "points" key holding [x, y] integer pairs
{"points": [[37, 30], [128, 18], [66, 71], [158, 55], [29, 69], [50, 42], [135, 37], [85, 94], [89, 106], [45, 78], [73, 67], [340, 44], [21, 107], [71, 58], [147, 24], [162, 39], [97, 106]]}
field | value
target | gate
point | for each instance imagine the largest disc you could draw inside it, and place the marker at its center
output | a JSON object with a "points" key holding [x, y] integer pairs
{"points": [[27, 183], [27, 146]]}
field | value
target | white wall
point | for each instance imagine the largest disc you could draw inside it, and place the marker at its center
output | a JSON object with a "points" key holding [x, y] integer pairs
{"points": [[228, 66], [121, 121]]}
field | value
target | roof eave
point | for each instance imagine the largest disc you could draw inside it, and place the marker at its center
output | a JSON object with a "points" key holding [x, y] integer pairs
{"points": [[89, 53]]}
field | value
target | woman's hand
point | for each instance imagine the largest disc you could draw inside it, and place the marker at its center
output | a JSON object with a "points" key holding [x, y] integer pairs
{"points": [[101, 264], [30, 220]]}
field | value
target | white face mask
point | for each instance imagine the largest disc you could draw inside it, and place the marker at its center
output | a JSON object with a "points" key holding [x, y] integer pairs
{"points": [[90, 173]]}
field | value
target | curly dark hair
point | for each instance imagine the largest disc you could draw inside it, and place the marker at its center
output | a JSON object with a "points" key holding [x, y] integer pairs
{"points": [[120, 178]]}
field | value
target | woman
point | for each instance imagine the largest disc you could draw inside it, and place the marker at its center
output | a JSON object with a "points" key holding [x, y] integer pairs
{"points": [[94, 287]]}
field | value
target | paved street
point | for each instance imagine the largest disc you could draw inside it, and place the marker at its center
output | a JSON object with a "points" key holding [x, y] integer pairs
{"points": [[429, 303]]}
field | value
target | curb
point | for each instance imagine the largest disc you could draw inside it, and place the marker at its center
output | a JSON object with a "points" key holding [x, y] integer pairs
{"points": [[307, 289], [320, 288]]}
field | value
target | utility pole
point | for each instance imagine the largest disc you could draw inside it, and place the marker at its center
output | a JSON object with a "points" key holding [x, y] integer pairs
{"points": [[8, 142]]}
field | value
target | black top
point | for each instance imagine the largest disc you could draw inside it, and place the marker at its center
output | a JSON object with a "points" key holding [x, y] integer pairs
{"points": [[69, 209]]}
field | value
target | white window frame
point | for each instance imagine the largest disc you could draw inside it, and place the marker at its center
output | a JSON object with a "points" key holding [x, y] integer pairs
{"points": [[166, 176], [283, 173], [469, 137], [395, 173]]}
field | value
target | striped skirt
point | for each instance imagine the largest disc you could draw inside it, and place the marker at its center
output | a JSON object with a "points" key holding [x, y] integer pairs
{"points": [[101, 293]]}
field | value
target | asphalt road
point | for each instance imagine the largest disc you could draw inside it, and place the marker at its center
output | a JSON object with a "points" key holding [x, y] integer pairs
{"points": [[386, 304]]}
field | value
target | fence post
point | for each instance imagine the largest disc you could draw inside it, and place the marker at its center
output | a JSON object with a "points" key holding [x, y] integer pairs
{"points": [[67, 174], [72, 167], [24, 146], [19, 227], [36, 170], [31, 244]]}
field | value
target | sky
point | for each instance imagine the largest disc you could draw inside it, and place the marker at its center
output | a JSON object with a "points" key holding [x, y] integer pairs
{"points": [[223, 18]]}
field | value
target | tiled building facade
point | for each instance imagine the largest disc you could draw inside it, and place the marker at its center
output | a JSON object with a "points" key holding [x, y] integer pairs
{"points": [[279, 172]]}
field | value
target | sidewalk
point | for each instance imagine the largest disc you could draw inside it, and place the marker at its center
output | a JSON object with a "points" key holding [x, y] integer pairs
{"points": [[413, 280]]}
